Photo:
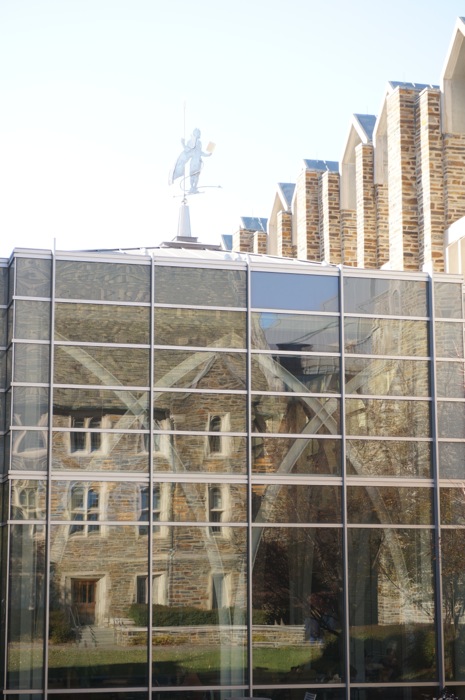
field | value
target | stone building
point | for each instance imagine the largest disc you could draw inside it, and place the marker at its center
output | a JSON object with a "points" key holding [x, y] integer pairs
{"points": [[397, 198]]}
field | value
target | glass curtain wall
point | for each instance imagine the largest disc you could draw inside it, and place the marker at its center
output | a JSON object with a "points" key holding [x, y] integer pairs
{"points": [[224, 480]]}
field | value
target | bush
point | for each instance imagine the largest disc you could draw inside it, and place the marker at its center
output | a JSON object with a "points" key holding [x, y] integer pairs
{"points": [[182, 616], [60, 629]]}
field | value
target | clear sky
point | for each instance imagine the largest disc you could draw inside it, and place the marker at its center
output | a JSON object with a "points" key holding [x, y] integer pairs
{"points": [[92, 96]]}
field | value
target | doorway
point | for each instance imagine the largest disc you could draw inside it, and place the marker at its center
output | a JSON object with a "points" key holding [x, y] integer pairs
{"points": [[83, 597]]}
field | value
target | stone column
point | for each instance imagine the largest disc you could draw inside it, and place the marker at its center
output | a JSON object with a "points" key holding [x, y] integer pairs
{"points": [[330, 221], [367, 254], [308, 235]]}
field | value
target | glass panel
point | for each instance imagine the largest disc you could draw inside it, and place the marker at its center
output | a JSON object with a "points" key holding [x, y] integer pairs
{"points": [[32, 320], [212, 502], [200, 328], [452, 460], [285, 503], [33, 277], [451, 419], [197, 286], [278, 290], [102, 281], [98, 323], [2, 368], [448, 300], [26, 607], [295, 332], [453, 601], [29, 450], [94, 585], [296, 456], [299, 373], [121, 409], [449, 339], [9, 325], [11, 280], [195, 411], [199, 370], [30, 406], [193, 453], [295, 414], [31, 363], [88, 451], [452, 506], [389, 504], [110, 366], [386, 377], [28, 499], [3, 326], [450, 379], [407, 692], [387, 417], [297, 605], [385, 336], [3, 285], [389, 458], [91, 501], [385, 296], [206, 613], [391, 605]]}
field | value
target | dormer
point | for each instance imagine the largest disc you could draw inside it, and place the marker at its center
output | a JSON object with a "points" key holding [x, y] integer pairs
{"points": [[361, 131], [282, 202], [453, 83]]}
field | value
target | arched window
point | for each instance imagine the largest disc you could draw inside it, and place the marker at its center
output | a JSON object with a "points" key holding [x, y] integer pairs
{"points": [[144, 500], [214, 441], [84, 508]]}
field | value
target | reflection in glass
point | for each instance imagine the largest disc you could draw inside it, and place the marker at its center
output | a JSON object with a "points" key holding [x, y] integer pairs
{"points": [[388, 417], [2, 368], [391, 605], [385, 336], [451, 419], [102, 451], [295, 332], [107, 366], [30, 406], [297, 605], [449, 339], [100, 408], [195, 411], [386, 377], [197, 286], [385, 296], [199, 370], [297, 373], [452, 505], [93, 588], [193, 453], [389, 504], [32, 320], [283, 455], [102, 281], [33, 277], [448, 300], [294, 414], [453, 601], [388, 458], [28, 499], [207, 612], [3, 285], [101, 323], [31, 363], [450, 379], [26, 607], [452, 460], [200, 328], [206, 502], [287, 503], [277, 290], [4, 326]]}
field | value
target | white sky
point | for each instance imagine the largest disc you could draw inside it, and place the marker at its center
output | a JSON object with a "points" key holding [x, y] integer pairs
{"points": [[92, 96]]}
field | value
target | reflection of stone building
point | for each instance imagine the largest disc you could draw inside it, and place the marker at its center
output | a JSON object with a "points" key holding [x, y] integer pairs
{"points": [[225, 467]]}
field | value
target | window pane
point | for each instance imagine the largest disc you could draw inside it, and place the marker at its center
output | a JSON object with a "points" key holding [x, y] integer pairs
{"points": [[30, 406], [452, 506], [205, 503], [295, 414], [387, 417], [32, 320], [385, 296], [383, 336], [102, 281], [388, 458], [2, 368], [283, 503], [386, 377], [192, 411], [278, 290], [389, 504], [450, 379], [189, 453], [197, 286], [452, 460], [295, 332], [199, 370], [200, 328], [299, 373], [121, 409], [4, 326], [110, 366], [453, 587], [282, 455], [33, 277], [98, 323], [121, 452], [451, 419], [31, 363], [29, 450], [448, 300], [391, 605], [297, 604], [3, 285], [28, 499], [449, 339]]}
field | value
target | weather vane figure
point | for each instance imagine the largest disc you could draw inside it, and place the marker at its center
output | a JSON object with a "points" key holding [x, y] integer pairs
{"points": [[192, 153]]}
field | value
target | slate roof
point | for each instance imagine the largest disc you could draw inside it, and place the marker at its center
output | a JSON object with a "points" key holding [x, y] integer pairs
{"points": [[322, 165], [367, 122], [287, 191], [254, 223]]}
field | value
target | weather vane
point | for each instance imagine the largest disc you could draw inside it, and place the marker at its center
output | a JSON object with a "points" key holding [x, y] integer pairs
{"points": [[191, 154]]}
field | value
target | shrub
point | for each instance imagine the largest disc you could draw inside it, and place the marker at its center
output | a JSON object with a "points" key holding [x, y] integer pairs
{"points": [[60, 629]]}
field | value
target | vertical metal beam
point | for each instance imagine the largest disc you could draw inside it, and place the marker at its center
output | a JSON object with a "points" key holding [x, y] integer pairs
{"points": [[151, 479], [249, 476]]}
